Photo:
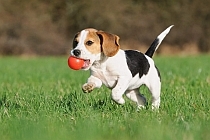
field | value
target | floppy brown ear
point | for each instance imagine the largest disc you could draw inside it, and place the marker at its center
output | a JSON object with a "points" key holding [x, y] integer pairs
{"points": [[109, 43]]}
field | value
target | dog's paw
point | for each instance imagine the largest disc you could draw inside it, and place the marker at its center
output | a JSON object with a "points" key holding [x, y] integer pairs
{"points": [[88, 87], [118, 99]]}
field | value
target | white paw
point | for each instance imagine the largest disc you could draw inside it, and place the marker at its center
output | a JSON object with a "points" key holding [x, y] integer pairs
{"points": [[118, 99], [156, 104], [155, 107], [121, 101], [140, 107]]}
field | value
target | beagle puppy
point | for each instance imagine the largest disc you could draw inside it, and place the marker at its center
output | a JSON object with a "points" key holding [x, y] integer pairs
{"points": [[123, 71]]}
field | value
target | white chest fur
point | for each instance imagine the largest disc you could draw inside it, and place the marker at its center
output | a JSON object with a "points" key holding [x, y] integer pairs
{"points": [[110, 70], [100, 71]]}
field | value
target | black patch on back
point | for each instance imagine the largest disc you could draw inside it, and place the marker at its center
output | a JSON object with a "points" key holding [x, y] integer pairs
{"points": [[137, 62]]}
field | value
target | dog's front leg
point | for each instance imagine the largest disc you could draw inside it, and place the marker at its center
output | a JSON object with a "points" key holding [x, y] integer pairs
{"points": [[119, 90], [93, 82]]}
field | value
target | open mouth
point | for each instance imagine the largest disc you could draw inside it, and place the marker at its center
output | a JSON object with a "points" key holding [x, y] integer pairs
{"points": [[86, 63]]}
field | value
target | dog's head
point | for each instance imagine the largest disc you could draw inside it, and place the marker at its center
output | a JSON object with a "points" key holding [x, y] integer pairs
{"points": [[91, 44]]}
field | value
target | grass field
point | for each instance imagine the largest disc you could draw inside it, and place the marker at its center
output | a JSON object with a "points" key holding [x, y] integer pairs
{"points": [[41, 98]]}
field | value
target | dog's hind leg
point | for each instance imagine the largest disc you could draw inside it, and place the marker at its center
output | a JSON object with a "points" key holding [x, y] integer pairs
{"points": [[155, 88], [137, 97]]}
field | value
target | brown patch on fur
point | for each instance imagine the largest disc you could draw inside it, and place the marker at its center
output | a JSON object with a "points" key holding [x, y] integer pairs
{"points": [[91, 30], [95, 48], [109, 42], [100, 42]]}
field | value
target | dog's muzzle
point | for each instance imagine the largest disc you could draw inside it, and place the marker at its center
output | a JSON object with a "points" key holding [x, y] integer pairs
{"points": [[77, 53]]}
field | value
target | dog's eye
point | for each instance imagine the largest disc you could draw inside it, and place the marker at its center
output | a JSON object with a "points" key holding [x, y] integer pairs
{"points": [[89, 42]]}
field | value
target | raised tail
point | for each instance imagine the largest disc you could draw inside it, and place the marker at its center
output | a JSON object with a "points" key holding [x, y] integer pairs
{"points": [[155, 44]]}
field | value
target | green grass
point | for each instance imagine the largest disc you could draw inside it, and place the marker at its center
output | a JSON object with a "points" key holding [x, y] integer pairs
{"points": [[41, 98]]}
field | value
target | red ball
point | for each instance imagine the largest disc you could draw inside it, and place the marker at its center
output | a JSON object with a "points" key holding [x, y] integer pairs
{"points": [[75, 63]]}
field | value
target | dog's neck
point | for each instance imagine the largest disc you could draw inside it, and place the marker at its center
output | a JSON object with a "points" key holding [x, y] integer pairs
{"points": [[99, 63]]}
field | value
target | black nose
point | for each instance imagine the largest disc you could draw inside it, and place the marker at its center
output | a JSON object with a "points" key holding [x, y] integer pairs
{"points": [[76, 52]]}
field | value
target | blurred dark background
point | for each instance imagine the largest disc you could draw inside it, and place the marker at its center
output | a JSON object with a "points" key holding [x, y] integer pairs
{"points": [[46, 27]]}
